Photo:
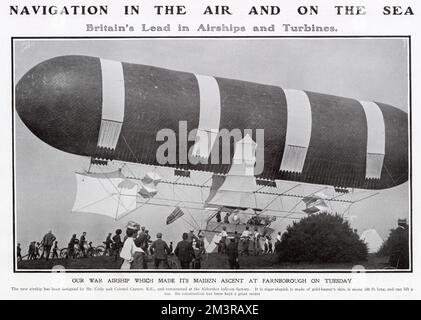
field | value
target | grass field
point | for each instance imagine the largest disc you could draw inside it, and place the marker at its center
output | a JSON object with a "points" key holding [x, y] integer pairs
{"points": [[213, 261]]}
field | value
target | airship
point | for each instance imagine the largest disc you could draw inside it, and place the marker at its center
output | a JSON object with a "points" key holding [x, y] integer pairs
{"points": [[112, 111]]}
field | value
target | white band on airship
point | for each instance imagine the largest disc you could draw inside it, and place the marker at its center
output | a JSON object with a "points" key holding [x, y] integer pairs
{"points": [[298, 130], [376, 140], [112, 103], [209, 117]]}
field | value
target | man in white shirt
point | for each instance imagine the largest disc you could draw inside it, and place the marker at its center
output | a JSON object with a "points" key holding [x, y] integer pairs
{"points": [[245, 241], [223, 242], [256, 241]]}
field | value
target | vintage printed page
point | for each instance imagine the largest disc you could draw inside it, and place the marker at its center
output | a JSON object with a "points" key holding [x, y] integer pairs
{"points": [[202, 150]]}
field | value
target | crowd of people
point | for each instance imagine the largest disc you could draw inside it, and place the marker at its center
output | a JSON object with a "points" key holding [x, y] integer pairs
{"points": [[39, 250], [135, 248], [48, 248], [246, 243]]}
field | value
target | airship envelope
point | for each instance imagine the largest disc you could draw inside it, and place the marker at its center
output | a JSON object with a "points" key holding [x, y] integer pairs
{"points": [[106, 110]]}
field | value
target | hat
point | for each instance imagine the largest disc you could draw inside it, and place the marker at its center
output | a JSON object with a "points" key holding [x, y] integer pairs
{"points": [[133, 225]]}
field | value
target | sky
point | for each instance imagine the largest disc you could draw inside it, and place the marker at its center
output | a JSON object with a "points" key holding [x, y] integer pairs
{"points": [[363, 69]]}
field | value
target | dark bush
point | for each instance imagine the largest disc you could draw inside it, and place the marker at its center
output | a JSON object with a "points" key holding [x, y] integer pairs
{"points": [[322, 238], [396, 247]]}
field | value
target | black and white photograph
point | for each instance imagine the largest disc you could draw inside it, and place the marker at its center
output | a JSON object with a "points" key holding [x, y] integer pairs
{"points": [[230, 154]]}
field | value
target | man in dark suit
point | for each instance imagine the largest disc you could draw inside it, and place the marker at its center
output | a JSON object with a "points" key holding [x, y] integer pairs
{"points": [[142, 240], [71, 247], [108, 242], [161, 250], [232, 252], [184, 252], [47, 243], [82, 242]]}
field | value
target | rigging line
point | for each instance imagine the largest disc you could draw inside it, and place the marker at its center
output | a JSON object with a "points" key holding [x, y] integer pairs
{"points": [[188, 223], [321, 189], [180, 201], [211, 217], [281, 206], [188, 196], [207, 180], [118, 204], [288, 216], [260, 192], [272, 201], [118, 192], [292, 212], [259, 189], [142, 204], [130, 149], [130, 170], [338, 196], [351, 193], [285, 192], [347, 209], [372, 195], [296, 205], [307, 196], [92, 203], [191, 215], [130, 211], [388, 173], [90, 164], [166, 205]]}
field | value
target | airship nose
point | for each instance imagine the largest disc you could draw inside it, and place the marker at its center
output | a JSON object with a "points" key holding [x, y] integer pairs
{"points": [[59, 100]]}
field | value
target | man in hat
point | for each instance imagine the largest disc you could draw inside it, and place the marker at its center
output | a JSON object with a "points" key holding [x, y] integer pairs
{"points": [[235, 218], [161, 251], [192, 237], [108, 243], [71, 246], [55, 250], [148, 240], [245, 241], [142, 239], [199, 252], [256, 241], [232, 252], [82, 242], [37, 250], [218, 216], [31, 251], [117, 244], [19, 252], [223, 242], [226, 220], [47, 243], [184, 252]]}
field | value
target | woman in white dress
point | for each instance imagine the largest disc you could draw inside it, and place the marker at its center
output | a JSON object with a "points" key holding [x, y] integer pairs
{"points": [[129, 248]]}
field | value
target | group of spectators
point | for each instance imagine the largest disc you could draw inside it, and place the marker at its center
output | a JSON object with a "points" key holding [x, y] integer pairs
{"points": [[39, 250], [48, 248], [245, 240], [137, 246], [79, 247]]}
